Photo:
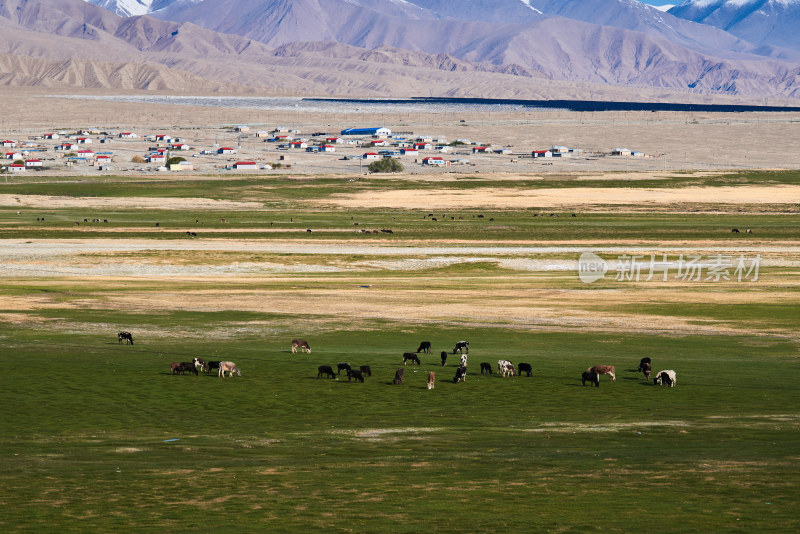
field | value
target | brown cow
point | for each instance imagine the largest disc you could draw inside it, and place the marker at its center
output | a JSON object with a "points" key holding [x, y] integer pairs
{"points": [[431, 379], [398, 376], [301, 344], [604, 370]]}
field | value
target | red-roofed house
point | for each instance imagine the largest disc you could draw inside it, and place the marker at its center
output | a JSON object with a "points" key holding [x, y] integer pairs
{"points": [[51, 135], [298, 144], [88, 154], [128, 135], [409, 151], [179, 146], [9, 144], [16, 167], [33, 163], [435, 160], [480, 149], [84, 140], [423, 146], [158, 157], [226, 150], [371, 155], [103, 160]]}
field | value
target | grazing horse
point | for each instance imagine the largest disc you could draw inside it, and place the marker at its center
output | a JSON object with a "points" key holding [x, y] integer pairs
{"points": [[604, 370], [486, 368], [592, 378], [127, 336], [461, 346], [398, 376], [301, 344], [410, 356], [365, 370], [228, 367], [461, 375], [425, 347], [525, 368], [325, 370], [342, 366], [444, 358], [666, 377], [431, 379]]}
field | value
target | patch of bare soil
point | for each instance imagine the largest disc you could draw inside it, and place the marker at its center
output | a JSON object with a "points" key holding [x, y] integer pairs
{"points": [[55, 202], [518, 198]]}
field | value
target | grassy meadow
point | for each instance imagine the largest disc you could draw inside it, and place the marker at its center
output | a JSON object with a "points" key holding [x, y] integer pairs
{"points": [[99, 437]]}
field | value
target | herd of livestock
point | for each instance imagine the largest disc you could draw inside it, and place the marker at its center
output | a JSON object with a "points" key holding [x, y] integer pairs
{"points": [[505, 368]]}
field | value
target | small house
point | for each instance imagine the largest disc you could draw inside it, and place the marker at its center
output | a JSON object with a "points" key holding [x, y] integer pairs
{"points": [[9, 144], [226, 150], [409, 151], [245, 166], [542, 154], [16, 167], [298, 144], [180, 146], [437, 161], [33, 163], [371, 155], [51, 135], [157, 158], [620, 152], [480, 149], [84, 140], [128, 135]]}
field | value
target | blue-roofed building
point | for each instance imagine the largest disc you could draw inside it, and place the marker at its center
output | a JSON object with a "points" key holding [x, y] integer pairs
{"points": [[367, 131]]}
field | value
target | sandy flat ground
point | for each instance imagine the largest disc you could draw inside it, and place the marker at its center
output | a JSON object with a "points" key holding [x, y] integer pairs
{"points": [[578, 196]]}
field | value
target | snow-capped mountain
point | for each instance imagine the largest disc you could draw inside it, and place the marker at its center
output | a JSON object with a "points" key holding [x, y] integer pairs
{"points": [[762, 22], [132, 8]]}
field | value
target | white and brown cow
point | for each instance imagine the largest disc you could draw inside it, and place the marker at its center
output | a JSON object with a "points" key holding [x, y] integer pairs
{"points": [[666, 377], [431, 379], [300, 344], [506, 368], [604, 370], [228, 367]]}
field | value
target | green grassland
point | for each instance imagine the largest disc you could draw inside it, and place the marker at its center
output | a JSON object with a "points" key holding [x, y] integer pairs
{"points": [[100, 437]]}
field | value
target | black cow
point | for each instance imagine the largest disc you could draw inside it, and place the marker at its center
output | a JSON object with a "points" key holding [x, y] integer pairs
{"points": [[590, 377], [461, 346], [187, 367], [365, 370], [342, 367], [645, 369], [355, 373], [127, 336], [398, 376], [410, 356], [325, 370], [524, 368], [461, 375], [212, 366], [444, 358], [486, 368], [425, 347]]}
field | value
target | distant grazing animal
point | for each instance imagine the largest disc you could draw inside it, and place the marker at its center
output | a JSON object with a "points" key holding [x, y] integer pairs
{"points": [[461, 346], [444, 358], [228, 367], [325, 370], [463, 360], [365, 370], [665, 378], [342, 366], [486, 368], [356, 374], [425, 347], [505, 368], [645, 369], [200, 364], [398, 376], [525, 368], [410, 356], [642, 362], [187, 367], [592, 378], [127, 336], [735, 231], [604, 370], [461, 375], [173, 368], [431, 379], [748, 231], [301, 344], [210, 366]]}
